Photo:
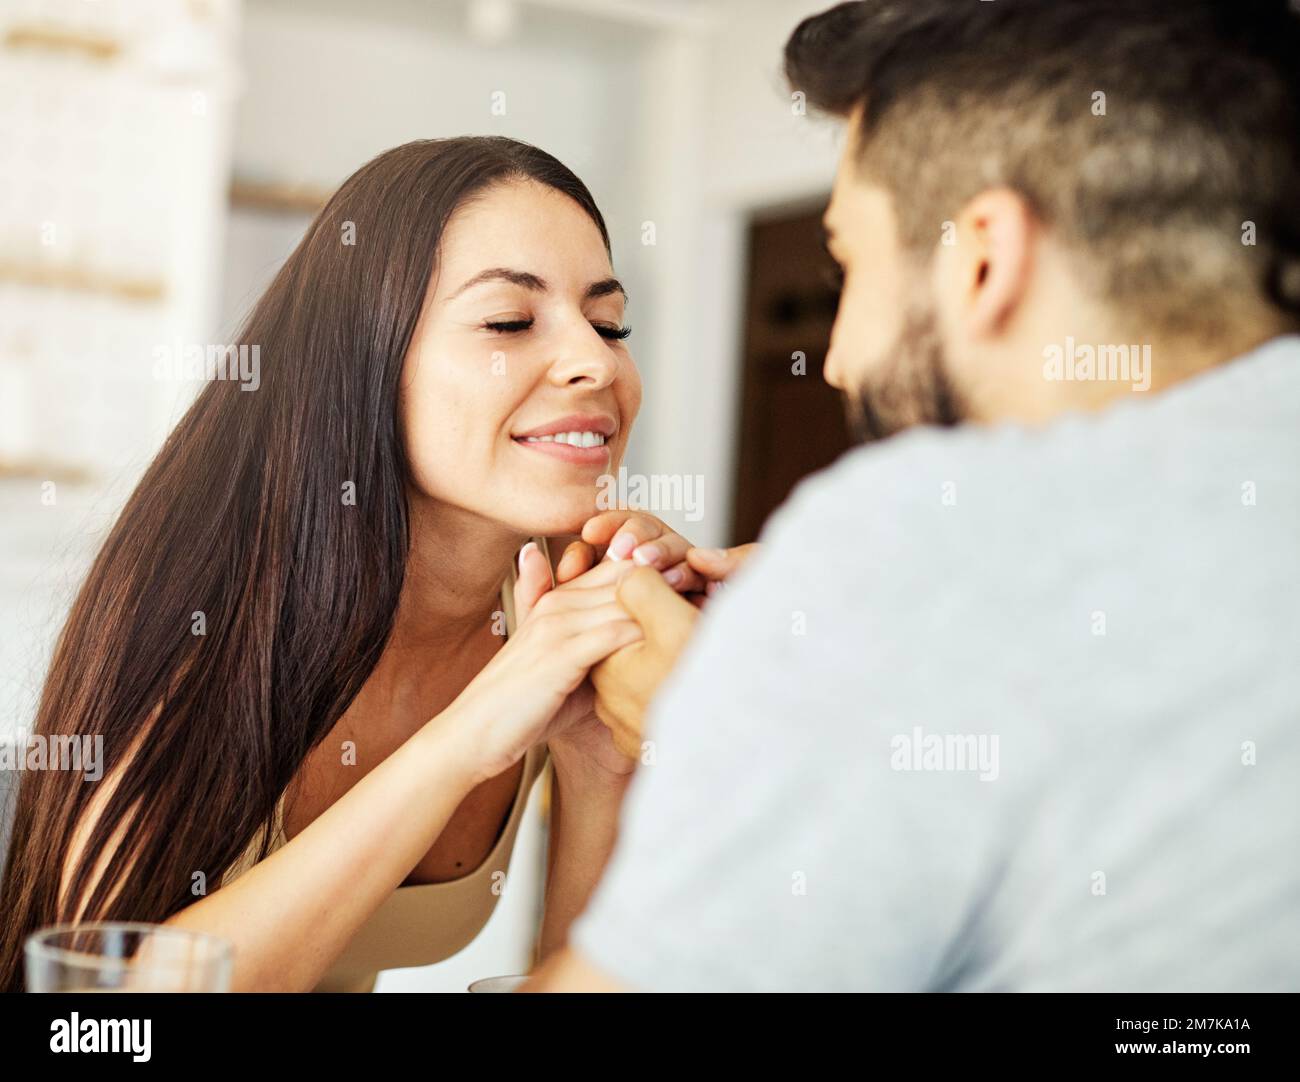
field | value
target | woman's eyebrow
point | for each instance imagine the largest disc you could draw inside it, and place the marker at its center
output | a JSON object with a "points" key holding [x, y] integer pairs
{"points": [[602, 288], [504, 274]]}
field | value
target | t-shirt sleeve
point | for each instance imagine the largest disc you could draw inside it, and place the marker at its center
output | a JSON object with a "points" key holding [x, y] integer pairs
{"points": [[770, 843]]}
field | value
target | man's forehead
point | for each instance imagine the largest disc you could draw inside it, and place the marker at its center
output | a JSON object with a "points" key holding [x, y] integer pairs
{"points": [[853, 128], [847, 178], [855, 196], [848, 168]]}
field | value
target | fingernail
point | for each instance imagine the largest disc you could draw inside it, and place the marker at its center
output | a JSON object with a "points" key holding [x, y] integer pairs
{"points": [[673, 576], [523, 552], [619, 548], [646, 554], [713, 554]]}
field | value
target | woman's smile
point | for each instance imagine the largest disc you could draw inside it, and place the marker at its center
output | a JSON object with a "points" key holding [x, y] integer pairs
{"points": [[579, 439]]}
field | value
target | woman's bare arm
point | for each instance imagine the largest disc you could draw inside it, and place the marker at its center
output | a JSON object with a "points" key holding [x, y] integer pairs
{"points": [[291, 915]]}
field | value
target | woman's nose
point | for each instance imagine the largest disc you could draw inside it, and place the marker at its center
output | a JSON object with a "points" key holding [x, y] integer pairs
{"points": [[584, 360]]}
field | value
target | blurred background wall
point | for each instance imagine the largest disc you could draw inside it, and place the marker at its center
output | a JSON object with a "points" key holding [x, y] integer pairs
{"points": [[160, 158]]}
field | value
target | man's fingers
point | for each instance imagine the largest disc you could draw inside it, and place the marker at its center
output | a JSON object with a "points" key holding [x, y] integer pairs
{"points": [[716, 564]]}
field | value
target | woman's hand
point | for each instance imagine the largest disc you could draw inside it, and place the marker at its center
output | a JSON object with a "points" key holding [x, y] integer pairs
{"points": [[534, 689], [582, 749], [634, 535]]}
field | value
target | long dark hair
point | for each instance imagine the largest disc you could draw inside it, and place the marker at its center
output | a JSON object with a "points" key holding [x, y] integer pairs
{"points": [[241, 517]]}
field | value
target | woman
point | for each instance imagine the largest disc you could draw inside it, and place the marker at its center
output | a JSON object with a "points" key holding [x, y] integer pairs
{"points": [[318, 741]]}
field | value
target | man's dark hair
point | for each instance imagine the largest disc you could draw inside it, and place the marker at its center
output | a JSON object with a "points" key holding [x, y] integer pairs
{"points": [[1161, 185]]}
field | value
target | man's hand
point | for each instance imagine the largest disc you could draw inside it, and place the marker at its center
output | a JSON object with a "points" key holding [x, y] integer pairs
{"points": [[627, 680], [715, 566]]}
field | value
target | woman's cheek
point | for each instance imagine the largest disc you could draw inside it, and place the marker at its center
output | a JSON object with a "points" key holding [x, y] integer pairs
{"points": [[630, 405]]}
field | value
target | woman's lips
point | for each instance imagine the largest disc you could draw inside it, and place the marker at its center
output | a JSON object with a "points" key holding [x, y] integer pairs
{"points": [[566, 452]]}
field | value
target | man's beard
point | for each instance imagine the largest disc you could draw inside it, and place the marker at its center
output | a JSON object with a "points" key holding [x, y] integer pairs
{"points": [[910, 387]]}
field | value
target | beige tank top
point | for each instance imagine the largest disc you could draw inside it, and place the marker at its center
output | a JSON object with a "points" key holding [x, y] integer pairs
{"points": [[427, 923]]}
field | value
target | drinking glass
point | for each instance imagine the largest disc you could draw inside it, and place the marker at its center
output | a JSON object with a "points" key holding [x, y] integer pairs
{"points": [[126, 956], [499, 984]]}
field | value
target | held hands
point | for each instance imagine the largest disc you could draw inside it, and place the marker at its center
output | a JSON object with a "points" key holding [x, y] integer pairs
{"points": [[696, 573], [627, 680], [534, 689], [635, 536]]}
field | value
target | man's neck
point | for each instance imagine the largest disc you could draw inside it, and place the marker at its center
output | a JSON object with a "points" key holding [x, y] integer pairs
{"points": [[1082, 372]]}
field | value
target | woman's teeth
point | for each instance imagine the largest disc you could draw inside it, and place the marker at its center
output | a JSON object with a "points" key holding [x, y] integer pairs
{"points": [[573, 439]]}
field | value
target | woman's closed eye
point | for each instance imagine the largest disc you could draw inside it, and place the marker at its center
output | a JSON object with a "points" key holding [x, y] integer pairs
{"points": [[508, 326], [514, 326]]}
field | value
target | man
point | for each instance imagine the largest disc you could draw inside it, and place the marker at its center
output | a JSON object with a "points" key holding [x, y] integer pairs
{"points": [[1013, 703]]}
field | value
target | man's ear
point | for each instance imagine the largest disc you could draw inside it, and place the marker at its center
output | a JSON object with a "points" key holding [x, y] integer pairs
{"points": [[996, 234]]}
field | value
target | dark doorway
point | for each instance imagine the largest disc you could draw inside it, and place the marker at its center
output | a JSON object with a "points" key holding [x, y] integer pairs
{"points": [[790, 424]]}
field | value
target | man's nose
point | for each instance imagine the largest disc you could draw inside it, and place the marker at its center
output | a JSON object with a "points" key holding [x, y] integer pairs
{"points": [[831, 368]]}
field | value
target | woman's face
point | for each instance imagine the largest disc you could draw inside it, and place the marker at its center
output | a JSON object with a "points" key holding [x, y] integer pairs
{"points": [[518, 392]]}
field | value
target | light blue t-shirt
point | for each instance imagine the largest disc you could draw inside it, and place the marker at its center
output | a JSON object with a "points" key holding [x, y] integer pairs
{"points": [[993, 708]]}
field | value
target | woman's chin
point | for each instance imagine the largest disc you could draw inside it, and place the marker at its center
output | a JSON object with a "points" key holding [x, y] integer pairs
{"points": [[556, 520]]}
